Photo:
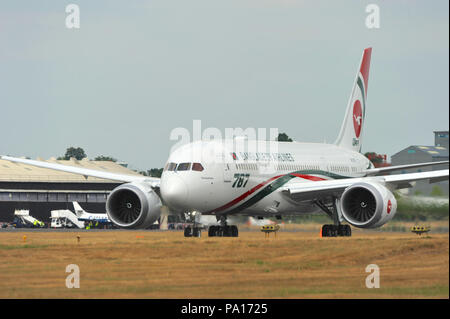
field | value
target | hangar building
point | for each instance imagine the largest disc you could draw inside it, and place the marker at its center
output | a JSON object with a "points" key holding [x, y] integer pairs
{"points": [[421, 154], [441, 138], [41, 190]]}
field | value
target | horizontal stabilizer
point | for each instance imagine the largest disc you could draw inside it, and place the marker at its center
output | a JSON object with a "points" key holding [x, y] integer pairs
{"points": [[381, 170]]}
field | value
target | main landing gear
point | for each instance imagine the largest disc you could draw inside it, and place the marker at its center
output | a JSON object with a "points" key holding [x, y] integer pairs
{"points": [[336, 230], [223, 230]]}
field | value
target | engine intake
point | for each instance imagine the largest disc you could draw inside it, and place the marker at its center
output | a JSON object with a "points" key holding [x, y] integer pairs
{"points": [[133, 205], [368, 205]]}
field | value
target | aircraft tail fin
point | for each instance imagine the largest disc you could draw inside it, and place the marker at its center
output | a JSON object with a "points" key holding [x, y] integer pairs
{"points": [[78, 210], [353, 125]]}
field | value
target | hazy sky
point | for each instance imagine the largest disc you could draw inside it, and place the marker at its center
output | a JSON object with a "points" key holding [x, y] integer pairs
{"points": [[135, 70]]}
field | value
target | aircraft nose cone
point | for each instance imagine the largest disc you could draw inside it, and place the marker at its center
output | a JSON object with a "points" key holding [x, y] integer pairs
{"points": [[174, 191]]}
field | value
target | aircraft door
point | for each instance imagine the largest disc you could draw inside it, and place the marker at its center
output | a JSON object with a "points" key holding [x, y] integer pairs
{"points": [[226, 168], [227, 172]]}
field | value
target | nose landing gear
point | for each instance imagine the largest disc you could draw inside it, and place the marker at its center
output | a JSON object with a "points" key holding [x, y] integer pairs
{"points": [[194, 230]]}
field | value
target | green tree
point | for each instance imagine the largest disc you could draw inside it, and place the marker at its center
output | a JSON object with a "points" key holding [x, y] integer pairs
{"points": [[155, 172], [282, 137], [105, 158], [436, 191], [374, 157], [78, 153]]}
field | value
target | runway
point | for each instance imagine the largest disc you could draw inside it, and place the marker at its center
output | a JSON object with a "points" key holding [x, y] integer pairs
{"points": [[164, 264]]}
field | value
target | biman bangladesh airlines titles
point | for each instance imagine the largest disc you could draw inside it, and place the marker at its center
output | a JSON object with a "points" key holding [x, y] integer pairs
{"points": [[211, 178]]}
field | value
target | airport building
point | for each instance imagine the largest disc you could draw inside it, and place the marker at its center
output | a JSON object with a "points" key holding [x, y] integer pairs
{"points": [[425, 153], [41, 190], [441, 138]]}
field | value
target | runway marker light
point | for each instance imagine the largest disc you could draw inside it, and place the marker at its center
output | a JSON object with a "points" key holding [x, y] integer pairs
{"points": [[267, 229], [419, 230], [24, 238]]}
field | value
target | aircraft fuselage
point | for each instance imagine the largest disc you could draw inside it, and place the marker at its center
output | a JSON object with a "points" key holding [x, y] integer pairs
{"points": [[236, 179]]}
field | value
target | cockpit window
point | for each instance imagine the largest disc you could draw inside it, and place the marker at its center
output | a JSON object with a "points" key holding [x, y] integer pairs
{"points": [[170, 166], [184, 167], [197, 167]]}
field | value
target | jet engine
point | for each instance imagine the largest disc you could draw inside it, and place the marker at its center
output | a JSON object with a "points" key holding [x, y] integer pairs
{"points": [[133, 205], [368, 205]]}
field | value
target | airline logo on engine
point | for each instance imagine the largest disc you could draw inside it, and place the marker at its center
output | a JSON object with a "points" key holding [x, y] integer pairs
{"points": [[389, 206], [357, 117]]}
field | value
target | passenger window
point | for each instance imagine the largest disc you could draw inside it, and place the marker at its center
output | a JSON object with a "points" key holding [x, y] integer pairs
{"points": [[197, 167], [184, 167]]}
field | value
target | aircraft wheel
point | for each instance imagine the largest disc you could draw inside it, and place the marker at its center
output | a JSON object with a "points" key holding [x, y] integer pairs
{"points": [[212, 231], [334, 231], [325, 231], [188, 232], [196, 232], [342, 230], [227, 231], [234, 231], [330, 231], [348, 231]]}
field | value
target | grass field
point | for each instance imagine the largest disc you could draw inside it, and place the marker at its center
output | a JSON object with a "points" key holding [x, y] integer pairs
{"points": [[144, 264]]}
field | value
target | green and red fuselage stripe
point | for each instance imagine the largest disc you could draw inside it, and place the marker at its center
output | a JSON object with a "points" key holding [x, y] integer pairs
{"points": [[269, 186]]}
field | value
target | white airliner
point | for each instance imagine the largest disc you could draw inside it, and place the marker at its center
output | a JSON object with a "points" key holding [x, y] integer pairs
{"points": [[86, 216], [278, 179]]}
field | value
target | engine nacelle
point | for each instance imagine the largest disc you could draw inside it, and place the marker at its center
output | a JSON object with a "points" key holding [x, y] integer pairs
{"points": [[368, 205], [133, 205]]}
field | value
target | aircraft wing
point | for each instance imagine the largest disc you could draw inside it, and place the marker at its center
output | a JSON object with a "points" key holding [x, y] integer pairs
{"points": [[153, 181], [381, 170], [316, 189]]}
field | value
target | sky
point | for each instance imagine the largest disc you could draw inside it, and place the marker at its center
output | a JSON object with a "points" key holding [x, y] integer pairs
{"points": [[136, 70]]}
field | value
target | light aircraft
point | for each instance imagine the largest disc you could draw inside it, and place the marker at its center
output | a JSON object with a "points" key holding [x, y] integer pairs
{"points": [[86, 216], [214, 178]]}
